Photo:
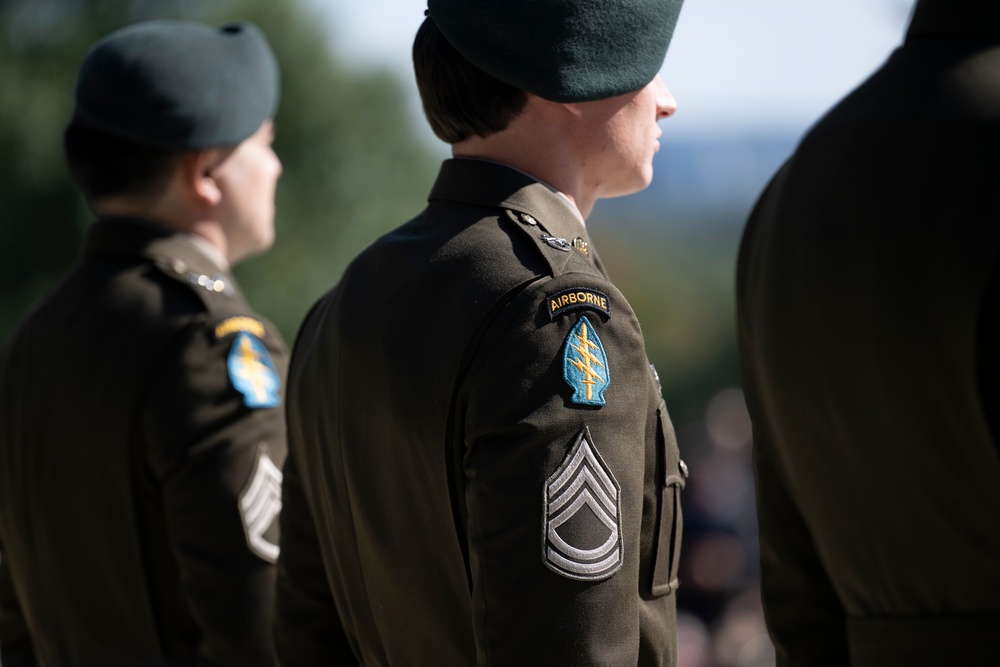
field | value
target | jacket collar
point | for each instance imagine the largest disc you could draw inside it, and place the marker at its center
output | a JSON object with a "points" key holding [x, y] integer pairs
{"points": [[970, 20], [138, 237], [495, 185]]}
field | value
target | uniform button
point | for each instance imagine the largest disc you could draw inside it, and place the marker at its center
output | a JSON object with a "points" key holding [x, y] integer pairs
{"points": [[178, 266], [528, 219], [684, 468]]}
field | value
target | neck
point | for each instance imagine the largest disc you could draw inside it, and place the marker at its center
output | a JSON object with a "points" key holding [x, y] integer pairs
{"points": [[163, 213], [539, 142]]}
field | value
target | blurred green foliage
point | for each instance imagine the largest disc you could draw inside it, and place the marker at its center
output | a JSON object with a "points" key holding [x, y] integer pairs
{"points": [[355, 166], [678, 277]]}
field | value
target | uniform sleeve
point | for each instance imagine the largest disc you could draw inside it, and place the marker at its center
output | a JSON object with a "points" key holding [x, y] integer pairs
{"points": [[307, 628], [804, 616], [557, 473], [214, 432], [16, 649]]}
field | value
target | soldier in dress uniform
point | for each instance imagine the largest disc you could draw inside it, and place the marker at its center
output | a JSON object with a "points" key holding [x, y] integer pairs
{"points": [[482, 470], [141, 424], [869, 313]]}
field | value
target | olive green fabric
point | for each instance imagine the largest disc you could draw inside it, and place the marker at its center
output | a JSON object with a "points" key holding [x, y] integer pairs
{"points": [[562, 50], [868, 295], [428, 413], [179, 85], [126, 452]]}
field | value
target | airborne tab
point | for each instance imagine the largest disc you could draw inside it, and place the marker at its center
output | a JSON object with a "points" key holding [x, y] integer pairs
{"points": [[577, 298]]}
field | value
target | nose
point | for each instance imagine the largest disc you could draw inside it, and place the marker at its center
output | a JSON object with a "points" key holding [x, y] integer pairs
{"points": [[666, 105]]}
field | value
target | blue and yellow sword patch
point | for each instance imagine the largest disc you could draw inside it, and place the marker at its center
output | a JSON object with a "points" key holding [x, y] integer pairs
{"points": [[585, 365], [252, 372]]}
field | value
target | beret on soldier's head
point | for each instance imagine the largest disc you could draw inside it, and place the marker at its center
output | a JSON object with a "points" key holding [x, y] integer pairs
{"points": [[562, 50], [179, 85]]}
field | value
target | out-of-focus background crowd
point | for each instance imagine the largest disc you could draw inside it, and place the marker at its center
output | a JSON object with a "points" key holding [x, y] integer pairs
{"points": [[749, 77]]}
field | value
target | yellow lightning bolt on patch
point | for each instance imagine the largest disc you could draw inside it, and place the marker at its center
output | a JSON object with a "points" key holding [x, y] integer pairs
{"points": [[583, 364], [583, 372], [252, 372]]}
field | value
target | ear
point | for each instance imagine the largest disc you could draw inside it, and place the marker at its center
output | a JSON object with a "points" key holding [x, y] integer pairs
{"points": [[198, 172], [573, 108]]}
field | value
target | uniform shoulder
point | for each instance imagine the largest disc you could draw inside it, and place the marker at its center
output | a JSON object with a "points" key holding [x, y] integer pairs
{"points": [[184, 264], [222, 307], [563, 247]]}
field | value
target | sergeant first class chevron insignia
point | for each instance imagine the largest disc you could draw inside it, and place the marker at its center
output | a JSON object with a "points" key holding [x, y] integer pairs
{"points": [[585, 365], [260, 504], [583, 536]]}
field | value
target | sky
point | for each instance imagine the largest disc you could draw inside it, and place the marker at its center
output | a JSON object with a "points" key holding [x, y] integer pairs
{"points": [[734, 66]]}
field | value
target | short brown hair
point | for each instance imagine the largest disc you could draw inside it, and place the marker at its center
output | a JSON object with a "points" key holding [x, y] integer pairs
{"points": [[104, 165], [460, 100]]}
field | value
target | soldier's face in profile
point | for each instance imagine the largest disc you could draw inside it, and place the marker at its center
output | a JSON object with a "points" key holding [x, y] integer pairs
{"points": [[621, 136], [247, 178]]}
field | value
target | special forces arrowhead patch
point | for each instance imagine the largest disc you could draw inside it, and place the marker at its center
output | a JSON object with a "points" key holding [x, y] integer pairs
{"points": [[260, 504], [585, 365], [583, 535], [252, 372]]}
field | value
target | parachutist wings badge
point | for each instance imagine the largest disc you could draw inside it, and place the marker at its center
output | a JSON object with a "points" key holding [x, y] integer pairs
{"points": [[583, 535]]}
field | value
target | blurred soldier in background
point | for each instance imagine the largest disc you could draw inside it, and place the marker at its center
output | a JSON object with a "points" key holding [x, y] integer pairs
{"points": [[869, 313], [141, 430], [482, 469]]}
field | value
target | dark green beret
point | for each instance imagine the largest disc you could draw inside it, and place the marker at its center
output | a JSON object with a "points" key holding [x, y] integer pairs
{"points": [[179, 85], [562, 50]]}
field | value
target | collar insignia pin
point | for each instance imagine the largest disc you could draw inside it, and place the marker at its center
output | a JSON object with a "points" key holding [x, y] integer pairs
{"points": [[557, 243]]}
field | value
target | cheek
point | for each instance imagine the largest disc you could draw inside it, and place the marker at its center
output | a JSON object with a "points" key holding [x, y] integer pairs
{"points": [[271, 170]]}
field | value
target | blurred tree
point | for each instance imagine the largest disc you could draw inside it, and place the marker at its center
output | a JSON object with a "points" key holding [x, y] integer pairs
{"points": [[678, 276], [354, 165]]}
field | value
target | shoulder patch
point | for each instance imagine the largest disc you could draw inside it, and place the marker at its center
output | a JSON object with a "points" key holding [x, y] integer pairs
{"points": [[252, 372], [583, 535], [260, 504], [577, 298], [232, 325], [585, 365]]}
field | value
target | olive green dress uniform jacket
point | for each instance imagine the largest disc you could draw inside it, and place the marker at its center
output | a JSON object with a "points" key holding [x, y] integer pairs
{"points": [[126, 452], [869, 312], [433, 441]]}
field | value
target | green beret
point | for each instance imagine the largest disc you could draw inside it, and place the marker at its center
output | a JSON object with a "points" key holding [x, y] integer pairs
{"points": [[562, 50], [179, 85]]}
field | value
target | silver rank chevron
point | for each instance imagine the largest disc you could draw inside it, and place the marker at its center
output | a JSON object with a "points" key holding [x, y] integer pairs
{"points": [[260, 504], [583, 536]]}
